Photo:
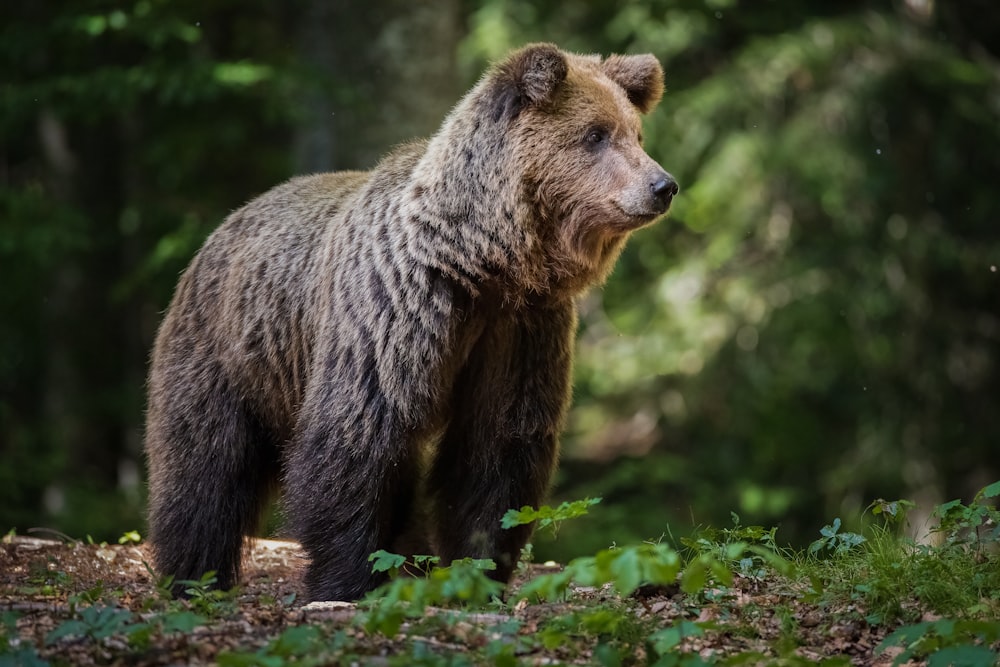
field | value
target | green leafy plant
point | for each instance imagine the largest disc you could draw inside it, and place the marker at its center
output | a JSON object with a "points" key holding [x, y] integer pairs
{"points": [[835, 542], [548, 517], [383, 561], [14, 651], [304, 645], [393, 564], [626, 568], [976, 524], [207, 599], [464, 582], [130, 537], [610, 628], [100, 621], [750, 550], [164, 586], [894, 512], [49, 582], [664, 643], [181, 621], [946, 642], [93, 595], [94, 622]]}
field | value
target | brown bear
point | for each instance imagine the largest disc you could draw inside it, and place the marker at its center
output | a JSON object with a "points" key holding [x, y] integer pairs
{"points": [[362, 338]]}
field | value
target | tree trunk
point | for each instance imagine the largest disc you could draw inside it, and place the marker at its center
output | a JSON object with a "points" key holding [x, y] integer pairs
{"points": [[384, 75]]}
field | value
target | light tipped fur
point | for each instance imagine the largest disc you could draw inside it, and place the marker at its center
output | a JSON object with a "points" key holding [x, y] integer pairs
{"points": [[341, 329]]}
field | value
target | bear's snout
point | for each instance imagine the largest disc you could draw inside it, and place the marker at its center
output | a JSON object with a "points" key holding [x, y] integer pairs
{"points": [[649, 196], [663, 190]]}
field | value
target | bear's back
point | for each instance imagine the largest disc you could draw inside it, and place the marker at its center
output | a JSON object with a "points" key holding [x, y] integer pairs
{"points": [[253, 288]]}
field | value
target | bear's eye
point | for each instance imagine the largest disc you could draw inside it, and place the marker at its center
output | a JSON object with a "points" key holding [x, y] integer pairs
{"points": [[596, 136]]}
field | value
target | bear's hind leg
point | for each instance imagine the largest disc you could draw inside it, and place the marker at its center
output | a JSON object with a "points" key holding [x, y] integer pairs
{"points": [[212, 470]]}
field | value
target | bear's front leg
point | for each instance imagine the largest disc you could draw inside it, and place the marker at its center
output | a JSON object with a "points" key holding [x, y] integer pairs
{"points": [[500, 449], [349, 484]]}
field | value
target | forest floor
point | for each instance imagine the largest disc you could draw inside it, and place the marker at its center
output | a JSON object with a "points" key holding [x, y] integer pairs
{"points": [[85, 604]]}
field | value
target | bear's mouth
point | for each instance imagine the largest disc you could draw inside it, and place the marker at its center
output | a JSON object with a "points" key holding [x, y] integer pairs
{"points": [[635, 220]]}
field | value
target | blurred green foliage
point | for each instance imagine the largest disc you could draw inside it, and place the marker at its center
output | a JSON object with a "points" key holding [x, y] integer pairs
{"points": [[817, 324]]}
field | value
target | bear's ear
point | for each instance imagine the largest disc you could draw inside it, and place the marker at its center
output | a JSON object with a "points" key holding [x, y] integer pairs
{"points": [[641, 77], [528, 77]]}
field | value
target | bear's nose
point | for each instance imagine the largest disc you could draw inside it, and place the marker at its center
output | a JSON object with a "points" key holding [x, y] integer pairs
{"points": [[664, 189]]}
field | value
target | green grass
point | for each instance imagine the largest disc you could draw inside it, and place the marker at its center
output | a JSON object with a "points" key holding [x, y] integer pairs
{"points": [[954, 571]]}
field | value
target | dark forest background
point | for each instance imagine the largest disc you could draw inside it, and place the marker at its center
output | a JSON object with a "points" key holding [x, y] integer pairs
{"points": [[815, 326]]}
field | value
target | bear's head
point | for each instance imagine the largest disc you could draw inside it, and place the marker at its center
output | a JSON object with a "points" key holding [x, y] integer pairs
{"points": [[575, 133], [538, 176]]}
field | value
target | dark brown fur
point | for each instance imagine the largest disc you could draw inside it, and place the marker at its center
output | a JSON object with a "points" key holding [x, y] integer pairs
{"points": [[335, 328]]}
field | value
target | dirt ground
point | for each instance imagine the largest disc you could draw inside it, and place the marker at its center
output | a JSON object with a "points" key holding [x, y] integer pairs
{"points": [[38, 577]]}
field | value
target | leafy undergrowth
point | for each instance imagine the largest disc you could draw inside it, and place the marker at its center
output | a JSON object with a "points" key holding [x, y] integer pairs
{"points": [[724, 596]]}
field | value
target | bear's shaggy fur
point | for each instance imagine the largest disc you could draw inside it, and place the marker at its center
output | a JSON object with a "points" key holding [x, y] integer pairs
{"points": [[361, 338]]}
